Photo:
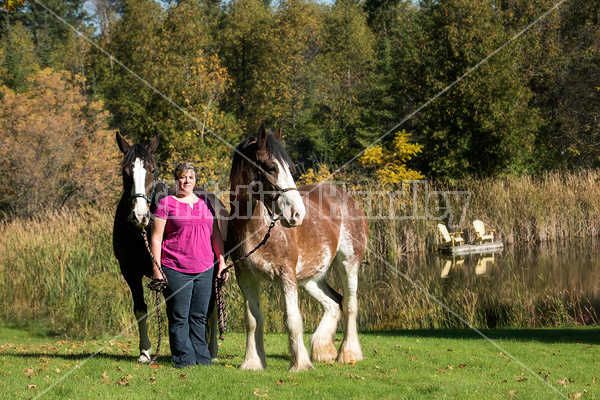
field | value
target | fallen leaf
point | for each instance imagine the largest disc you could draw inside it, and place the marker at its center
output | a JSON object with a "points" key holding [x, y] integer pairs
{"points": [[462, 365], [280, 383], [57, 370], [575, 395], [562, 382], [32, 387], [29, 371], [512, 393]]}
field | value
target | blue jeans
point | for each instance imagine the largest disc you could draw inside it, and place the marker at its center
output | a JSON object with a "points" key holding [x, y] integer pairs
{"points": [[188, 299]]}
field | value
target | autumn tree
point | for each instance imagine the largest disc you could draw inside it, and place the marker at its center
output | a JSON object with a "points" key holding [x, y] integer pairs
{"points": [[55, 146], [171, 50], [12, 5], [193, 76], [389, 164]]}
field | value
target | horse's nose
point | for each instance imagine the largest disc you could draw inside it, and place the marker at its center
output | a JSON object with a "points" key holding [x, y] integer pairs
{"points": [[296, 219]]}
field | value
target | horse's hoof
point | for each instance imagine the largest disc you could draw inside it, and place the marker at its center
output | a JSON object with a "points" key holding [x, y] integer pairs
{"points": [[323, 353], [301, 367], [346, 356], [255, 365], [145, 357]]}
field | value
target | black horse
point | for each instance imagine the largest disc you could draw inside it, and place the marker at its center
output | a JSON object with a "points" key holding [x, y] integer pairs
{"points": [[141, 193]]}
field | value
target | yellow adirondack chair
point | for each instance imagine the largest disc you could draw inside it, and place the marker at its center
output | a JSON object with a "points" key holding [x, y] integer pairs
{"points": [[447, 239], [481, 234]]}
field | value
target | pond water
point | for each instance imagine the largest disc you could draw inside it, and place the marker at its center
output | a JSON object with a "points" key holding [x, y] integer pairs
{"points": [[523, 286]]}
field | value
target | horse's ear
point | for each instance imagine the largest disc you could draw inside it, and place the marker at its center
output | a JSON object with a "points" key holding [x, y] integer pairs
{"points": [[262, 137], [279, 134], [123, 145], [153, 144]]}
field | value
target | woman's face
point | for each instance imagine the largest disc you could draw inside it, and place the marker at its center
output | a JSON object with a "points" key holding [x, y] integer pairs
{"points": [[186, 182]]}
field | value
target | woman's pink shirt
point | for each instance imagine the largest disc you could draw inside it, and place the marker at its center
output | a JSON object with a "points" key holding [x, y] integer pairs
{"points": [[186, 245]]}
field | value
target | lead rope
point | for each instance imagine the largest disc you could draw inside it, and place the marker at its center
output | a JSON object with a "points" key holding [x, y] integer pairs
{"points": [[220, 283], [158, 285]]}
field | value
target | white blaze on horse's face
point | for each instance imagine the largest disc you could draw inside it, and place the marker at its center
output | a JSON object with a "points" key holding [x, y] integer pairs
{"points": [[289, 204], [140, 206]]}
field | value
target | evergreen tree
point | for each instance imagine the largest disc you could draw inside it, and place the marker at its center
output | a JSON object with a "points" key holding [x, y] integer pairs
{"points": [[18, 59], [246, 41], [344, 65], [483, 125]]}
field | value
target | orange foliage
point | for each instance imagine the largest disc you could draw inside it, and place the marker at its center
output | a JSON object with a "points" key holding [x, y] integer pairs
{"points": [[55, 146]]}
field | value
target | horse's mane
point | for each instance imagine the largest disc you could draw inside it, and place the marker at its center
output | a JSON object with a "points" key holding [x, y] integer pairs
{"points": [[138, 150], [241, 168]]}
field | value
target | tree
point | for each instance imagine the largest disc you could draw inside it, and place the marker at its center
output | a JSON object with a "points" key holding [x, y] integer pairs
{"points": [[55, 146], [18, 58], [485, 124], [389, 164], [12, 5], [246, 40], [171, 50], [49, 33], [345, 63], [578, 110]]}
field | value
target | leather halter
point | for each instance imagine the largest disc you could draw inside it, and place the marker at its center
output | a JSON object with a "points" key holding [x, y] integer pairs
{"points": [[275, 185], [279, 191], [143, 195]]}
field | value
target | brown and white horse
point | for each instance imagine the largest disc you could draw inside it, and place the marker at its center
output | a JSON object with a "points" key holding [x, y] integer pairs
{"points": [[141, 194], [321, 228]]}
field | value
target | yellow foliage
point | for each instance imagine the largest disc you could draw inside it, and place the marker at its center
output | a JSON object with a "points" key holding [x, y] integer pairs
{"points": [[55, 146], [310, 176], [390, 165], [12, 5]]}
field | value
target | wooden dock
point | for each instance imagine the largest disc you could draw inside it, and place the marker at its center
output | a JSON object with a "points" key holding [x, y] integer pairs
{"points": [[491, 247]]}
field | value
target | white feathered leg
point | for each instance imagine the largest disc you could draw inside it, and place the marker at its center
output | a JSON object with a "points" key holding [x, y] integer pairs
{"points": [[253, 319], [322, 348]]}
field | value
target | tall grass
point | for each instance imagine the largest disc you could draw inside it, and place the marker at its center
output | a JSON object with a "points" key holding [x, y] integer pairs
{"points": [[555, 206], [58, 268]]}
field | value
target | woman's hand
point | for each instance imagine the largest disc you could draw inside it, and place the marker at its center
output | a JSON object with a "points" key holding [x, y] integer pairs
{"points": [[156, 274], [223, 271]]}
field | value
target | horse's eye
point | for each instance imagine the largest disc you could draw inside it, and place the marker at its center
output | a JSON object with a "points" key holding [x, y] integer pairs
{"points": [[271, 170]]}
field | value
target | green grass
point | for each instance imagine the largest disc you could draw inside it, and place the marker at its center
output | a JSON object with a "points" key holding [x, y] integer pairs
{"points": [[425, 364]]}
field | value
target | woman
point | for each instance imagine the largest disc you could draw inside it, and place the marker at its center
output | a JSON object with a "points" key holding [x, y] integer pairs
{"points": [[186, 239]]}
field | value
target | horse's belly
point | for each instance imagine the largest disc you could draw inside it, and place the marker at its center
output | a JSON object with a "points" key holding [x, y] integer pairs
{"points": [[314, 262]]}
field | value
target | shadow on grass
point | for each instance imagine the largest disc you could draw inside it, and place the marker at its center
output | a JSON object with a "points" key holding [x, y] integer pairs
{"points": [[83, 356], [546, 335]]}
